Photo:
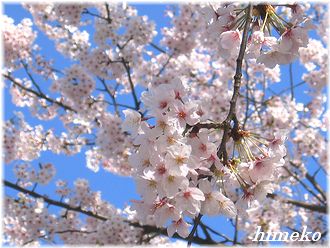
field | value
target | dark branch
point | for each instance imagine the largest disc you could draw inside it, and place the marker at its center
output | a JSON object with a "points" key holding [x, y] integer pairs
{"points": [[41, 95], [222, 150], [157, 48], [146, 228], [192, 233], [312, 207], [128, 71]]}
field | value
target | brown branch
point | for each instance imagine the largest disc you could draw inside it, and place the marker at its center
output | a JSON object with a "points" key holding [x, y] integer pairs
{"points": [[205, 231], [226, 239], [121, 47], [222, 150], [59, 232], [311, 179], [53, 202], [236, 231], [125, 63], [108, 13], [163, 231], [118, 104], [31, 77], [247, 89], [87, 12], [194, 130]]}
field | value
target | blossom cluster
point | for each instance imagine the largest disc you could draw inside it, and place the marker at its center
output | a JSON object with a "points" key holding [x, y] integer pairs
{"points": [[26, 220], [17, 39], [177, 179], [76, 86], [21, 141], [228, 21], [169, 138], [27, 174]]}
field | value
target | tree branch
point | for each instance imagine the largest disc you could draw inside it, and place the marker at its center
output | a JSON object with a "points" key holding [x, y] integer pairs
{"points": [[192, 233], [128, 71], [157, 48], [291, 82], [53, 202], [164, 66], [147, 228], [41, 95], [304, 185], [112, 96], [222, 150], [31, 77], [312, 207]]}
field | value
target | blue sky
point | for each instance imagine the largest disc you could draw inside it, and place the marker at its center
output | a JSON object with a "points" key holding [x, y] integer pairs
{"points": [[116, 189]]}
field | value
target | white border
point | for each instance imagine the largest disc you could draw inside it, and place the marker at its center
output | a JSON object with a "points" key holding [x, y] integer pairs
{"points": [[142, 2]]}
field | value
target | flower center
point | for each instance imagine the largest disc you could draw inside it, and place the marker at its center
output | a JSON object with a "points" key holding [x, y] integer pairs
{"points": [[163, 104], [182, 115], [186, 194], [180, 160]]}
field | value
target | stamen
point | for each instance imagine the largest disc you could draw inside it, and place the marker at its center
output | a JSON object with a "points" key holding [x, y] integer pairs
{"points": [[249, 150], [261, 150], [264, 23]]}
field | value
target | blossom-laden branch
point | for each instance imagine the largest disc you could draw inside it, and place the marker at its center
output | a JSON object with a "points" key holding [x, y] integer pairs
{"points": [[147, 229], [38, 94], [128, 71], [222, 150], [312, 181], [179, 154], [308, 206]]}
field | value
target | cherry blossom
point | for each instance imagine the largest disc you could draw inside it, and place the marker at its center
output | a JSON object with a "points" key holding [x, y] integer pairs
{"points": [[220, 111]]}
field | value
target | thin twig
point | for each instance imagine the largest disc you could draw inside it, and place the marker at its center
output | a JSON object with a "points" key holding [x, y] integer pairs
{"points": [[112, 96], [236, 231], [41, 95], [31, 77], [164, 66], [128, 71], [291, 82], [304, 185], [157, 48], [247, 88]]}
